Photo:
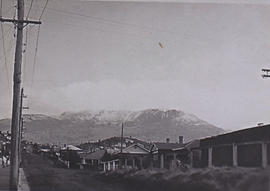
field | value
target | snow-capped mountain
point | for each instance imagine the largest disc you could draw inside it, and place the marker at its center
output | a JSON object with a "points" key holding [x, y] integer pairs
{"points": [[110, 116], [149, 125]]}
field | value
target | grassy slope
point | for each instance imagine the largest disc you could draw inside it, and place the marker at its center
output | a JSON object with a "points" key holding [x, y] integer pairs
{"points": [[216, 179], [42, 175]]}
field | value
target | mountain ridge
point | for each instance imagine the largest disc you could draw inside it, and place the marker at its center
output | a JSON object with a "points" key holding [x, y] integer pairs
{"points": [[149, 125]]}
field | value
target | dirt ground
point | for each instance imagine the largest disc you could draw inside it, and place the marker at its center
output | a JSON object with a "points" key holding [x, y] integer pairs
{"points": [[42, 175]]}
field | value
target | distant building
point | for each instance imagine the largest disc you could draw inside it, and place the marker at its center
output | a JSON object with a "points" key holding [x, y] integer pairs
{"points": [[70, 155], [93, 159], [135, 156], [110, 162], [166, 155], [246, 148]]}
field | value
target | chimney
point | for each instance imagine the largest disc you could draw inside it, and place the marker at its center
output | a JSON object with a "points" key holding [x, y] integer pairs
{"points": [[168, 140], [181, 139]]}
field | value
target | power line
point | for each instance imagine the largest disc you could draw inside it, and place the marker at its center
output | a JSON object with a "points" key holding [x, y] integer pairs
{"points": [[105, 20], [96, 29], [36, 46], [35, 57], [28, 13], [104, 30], [1, 8], [100, 20], [117, 22], [7, 31], [15, 10], [108, 21], [4, 49], [43, 9]]}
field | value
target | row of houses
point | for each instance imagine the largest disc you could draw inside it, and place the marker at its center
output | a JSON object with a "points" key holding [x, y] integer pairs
{"points": [[246, 148], [139, 155]]}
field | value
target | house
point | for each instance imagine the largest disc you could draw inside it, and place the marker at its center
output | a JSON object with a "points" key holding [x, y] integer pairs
{"points": [[92, 160], [193, 153], [135, 156], [246, 148], [166, 155], [110, 162], [70, 155]]}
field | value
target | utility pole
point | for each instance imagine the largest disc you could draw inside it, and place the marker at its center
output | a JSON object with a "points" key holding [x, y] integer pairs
{"points": [[21, 125], [20, 128], [122, 134], [15, 122]]}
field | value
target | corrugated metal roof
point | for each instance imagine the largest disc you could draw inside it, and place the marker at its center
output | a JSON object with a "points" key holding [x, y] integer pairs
{"points": [[259, 133]]}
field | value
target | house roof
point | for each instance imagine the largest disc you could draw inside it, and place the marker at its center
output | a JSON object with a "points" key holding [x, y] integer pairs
{"points": [[97, 155], [72, 148], [135, 149], [192, 144], [259, 133], [166, 146], [109, 157]]}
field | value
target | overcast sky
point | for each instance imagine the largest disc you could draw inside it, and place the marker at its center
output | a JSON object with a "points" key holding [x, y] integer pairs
{"points": [[201, 58]]}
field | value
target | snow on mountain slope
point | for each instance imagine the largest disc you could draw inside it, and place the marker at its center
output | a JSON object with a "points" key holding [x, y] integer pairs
{"points": [[150, 125], [110, 116]]}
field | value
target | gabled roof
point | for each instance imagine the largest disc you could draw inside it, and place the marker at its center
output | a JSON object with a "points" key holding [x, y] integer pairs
{"points": [[166, 146], [135, 149], [97, 155]]}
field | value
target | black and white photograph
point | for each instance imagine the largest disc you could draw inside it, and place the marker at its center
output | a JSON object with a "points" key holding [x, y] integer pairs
{"points": [[134, 95]]}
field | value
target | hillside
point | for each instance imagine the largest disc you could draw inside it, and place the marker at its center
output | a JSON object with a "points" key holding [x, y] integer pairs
{"points": [[80, 127]]}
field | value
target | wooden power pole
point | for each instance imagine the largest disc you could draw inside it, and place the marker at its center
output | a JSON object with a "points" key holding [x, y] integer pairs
{"points": [[15, 122]]}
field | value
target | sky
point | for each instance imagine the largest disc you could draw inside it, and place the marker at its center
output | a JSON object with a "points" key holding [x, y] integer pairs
{"points": [[201, 58]]}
